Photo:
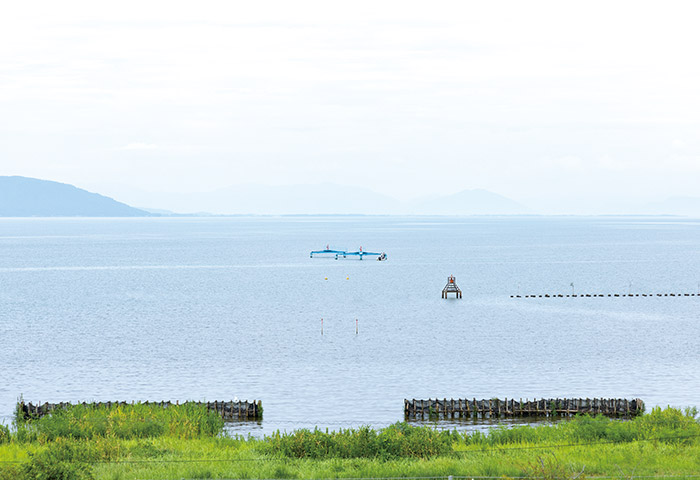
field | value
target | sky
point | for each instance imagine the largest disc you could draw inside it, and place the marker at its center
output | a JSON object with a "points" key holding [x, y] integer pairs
{"points": [[560, 105]]}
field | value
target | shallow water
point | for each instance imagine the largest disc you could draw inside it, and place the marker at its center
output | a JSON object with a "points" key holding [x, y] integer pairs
{"points": [[217, 308]]}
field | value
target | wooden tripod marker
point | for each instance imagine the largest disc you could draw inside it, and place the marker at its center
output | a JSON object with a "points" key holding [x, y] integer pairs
{"points": [[451, 287]]}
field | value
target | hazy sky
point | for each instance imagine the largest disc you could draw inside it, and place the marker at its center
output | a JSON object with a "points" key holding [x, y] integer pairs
{"points": [[557, 101]]}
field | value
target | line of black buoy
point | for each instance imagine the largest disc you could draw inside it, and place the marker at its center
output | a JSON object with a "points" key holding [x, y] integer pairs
{"points": [[559, 295]]}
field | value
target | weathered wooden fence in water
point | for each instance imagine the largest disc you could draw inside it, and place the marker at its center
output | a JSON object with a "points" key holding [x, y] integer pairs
{"points": [[238, 410], [513, 408]]}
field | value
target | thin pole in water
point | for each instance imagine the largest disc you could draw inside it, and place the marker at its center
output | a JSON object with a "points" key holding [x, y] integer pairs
{"points": [[572, 288], [321, 326], [356, 327]]}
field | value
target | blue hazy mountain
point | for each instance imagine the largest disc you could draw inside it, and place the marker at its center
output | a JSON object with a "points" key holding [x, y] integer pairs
{"points": [[469, 202], [31, 197], [248, 199], [323, 198]]}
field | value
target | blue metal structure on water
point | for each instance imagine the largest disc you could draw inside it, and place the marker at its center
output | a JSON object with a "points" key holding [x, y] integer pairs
{"points": [[338, 253]]}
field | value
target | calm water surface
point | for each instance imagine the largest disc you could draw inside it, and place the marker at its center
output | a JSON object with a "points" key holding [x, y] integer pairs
{"points": [[217, 308]]}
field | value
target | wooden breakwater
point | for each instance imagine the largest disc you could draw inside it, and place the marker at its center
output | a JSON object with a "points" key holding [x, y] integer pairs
{"points": [[494, 407], [233, 410], [588, 295]]}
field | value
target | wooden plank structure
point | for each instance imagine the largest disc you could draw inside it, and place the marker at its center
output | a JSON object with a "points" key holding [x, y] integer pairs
{"points": [[233, 410], [451, 287], [494, 407]]}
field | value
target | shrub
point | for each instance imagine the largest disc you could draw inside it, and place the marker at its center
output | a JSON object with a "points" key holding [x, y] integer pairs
{"points": [[667, 425], [550, 468], [670, 424], [396, 441], [10, 471], [61, 460], [4, 434]]}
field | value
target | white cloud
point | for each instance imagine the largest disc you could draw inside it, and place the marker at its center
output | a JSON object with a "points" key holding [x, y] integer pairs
{"points": [[678, 144], [139, 146], [569, 162]]}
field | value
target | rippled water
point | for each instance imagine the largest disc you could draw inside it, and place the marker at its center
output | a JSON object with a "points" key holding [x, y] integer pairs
{"points": [[217, 308]]}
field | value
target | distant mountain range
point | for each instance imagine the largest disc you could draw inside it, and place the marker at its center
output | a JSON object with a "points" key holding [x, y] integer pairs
{"points": [[21, 196], [30, 197], [324, 199], [273, 200], [26, 197], [469, 202]]}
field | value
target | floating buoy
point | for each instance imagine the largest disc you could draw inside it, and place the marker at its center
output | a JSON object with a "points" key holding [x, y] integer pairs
{"points": [[347, 278], [326, 278]]}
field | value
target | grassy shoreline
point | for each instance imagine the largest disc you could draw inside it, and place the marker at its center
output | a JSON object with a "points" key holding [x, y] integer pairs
{"points": [[140, 442]]}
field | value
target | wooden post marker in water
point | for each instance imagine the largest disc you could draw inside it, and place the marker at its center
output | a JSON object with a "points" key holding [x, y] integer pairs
{"points": [[356, 327], [321, 326]]}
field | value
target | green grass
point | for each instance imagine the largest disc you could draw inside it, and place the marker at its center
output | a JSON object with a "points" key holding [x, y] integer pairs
{"points": [[188, 420], [137, 443], [670, 422]]}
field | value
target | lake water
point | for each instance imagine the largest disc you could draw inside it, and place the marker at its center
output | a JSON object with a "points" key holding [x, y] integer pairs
{"points": [[217, 308]]}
